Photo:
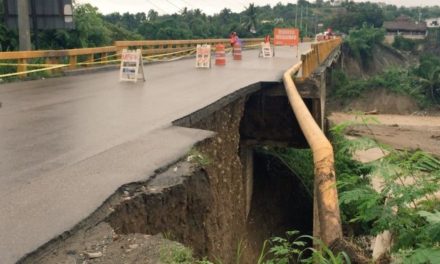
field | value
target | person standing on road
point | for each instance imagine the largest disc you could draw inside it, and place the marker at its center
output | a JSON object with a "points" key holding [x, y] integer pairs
{"points": [[233, 39], [267, 39]]}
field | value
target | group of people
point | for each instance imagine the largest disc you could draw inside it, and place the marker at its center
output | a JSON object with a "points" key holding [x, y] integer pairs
{"points": [[233, 38]]}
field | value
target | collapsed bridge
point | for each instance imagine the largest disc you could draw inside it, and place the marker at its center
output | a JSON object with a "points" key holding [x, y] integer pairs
{"points": [[69, 143]]}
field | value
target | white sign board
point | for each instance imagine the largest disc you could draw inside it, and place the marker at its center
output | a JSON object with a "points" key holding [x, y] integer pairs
{"points": [[266, 50], [433, 23], [131, 66], [203, 56]]}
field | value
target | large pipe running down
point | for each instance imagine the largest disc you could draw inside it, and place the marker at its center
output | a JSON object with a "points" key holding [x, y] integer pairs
{"points": [[329, 229]]}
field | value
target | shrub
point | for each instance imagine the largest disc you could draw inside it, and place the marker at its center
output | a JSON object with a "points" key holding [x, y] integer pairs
{"points": [[400, 81], [361, 42], [404, 44], [405, 205]]}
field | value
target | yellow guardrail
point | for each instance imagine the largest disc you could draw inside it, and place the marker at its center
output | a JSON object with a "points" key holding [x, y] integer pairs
{"points": [[318, 53], [327, 221], [152, 50]]}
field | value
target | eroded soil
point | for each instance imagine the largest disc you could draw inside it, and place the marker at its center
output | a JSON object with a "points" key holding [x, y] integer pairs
{"points": [[399, 131]]}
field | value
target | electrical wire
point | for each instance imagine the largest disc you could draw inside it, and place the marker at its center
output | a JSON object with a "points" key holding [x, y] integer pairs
{"points": [[158, 7], [187, 4], [171, 3]]}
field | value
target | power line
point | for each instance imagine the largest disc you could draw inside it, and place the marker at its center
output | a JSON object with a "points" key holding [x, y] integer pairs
{"points": [[158, 7], [187, 4], [171, 3]]}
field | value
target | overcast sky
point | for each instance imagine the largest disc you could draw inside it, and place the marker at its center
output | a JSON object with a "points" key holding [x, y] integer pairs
{"points": [[208, 6]]}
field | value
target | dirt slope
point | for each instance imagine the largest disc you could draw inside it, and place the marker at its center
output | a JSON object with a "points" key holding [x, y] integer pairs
{"points": [[380, 100], [383, 57], [398, 131]]}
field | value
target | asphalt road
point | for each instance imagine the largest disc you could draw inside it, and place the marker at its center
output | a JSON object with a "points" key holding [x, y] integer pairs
{"points": [[67, 144]]}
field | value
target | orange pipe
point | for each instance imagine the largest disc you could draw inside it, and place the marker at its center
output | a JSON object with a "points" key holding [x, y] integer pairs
{"points": [[326, 193]]}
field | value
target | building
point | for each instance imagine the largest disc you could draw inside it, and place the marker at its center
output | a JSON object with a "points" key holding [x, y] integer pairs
{"points": [[405, 27], [433, 22], [336, 2]]}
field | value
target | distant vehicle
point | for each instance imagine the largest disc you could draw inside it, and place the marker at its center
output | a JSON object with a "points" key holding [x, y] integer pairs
{"points": [[328, 34]]}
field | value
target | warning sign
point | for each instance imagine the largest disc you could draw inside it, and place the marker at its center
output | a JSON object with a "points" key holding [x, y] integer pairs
{"points": [[286, 36], [203, 57], [266, 50], [131, 66]]}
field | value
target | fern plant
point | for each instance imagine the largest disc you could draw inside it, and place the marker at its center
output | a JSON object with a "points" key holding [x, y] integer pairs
{"points": [[405, 204], [294, 249], [298, 161]]}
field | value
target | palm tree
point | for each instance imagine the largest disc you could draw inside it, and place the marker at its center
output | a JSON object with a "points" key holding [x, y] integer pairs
{"points": [[431, 84], [428, 73], [250, 21]]}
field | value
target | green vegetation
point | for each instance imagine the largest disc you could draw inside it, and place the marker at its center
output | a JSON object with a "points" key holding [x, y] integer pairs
{"points": [[357, 15], [428, 76], [400, 81], [177, 254], [294, 249], [194, 155], [299, 161], [361, 42], [422, 82], [405, 44], [174, 253], [405, 205]]}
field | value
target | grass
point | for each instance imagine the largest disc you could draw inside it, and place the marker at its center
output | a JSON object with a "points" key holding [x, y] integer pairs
{"points": [[179, 254], [176, 254], [197, 157], [293, 248]]}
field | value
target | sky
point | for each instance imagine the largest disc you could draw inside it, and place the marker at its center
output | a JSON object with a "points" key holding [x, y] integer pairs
{"points": [[208, 6]]}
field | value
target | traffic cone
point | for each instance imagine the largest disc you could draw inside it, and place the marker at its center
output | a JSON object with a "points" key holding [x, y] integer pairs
{"points": [[220, 55], [236, 51]]}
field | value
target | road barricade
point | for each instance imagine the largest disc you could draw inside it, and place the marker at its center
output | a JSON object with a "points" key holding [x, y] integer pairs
{"points": [[266, 50], [236, 51], [132, 66], [220, 55], [203, 56]]}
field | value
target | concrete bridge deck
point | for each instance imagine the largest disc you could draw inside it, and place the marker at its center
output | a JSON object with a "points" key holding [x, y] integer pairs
{"points": [[66, 144]]}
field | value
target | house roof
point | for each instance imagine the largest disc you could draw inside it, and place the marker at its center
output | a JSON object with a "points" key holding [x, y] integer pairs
{"points": [[404, 23]]}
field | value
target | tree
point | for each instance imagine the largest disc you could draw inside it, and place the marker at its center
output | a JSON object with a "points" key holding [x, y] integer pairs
{"points": [[89, 27], [319, 3], [250, 20], [152, 15], [8, 38], [429, 73], [358, 14]]}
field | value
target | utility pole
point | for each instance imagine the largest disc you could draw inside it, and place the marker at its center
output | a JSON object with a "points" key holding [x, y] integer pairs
{"points": [[34, 22], [307, 19], [301, 19], [24, 32], [296, 15], [315, 23]]}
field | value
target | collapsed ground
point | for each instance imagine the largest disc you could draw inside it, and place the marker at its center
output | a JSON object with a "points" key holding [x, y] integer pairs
{"points": [[221, 200], [142, 219]]}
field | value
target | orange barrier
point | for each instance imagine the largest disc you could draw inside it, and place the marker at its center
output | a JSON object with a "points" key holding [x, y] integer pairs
{"points": [[236, 52], [220, 55]]}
